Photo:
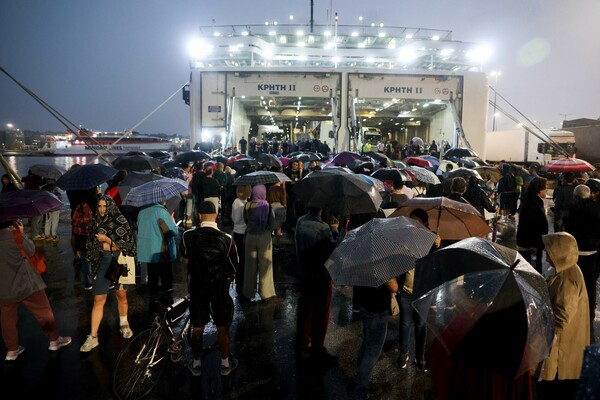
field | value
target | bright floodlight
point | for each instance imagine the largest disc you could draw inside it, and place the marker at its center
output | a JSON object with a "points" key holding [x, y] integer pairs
{"points": [[10, 126], [406, 54], [197, 48], [480, 54]]}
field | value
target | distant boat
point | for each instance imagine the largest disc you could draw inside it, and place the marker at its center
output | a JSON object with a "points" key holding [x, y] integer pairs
{"points": [[106, 143]]}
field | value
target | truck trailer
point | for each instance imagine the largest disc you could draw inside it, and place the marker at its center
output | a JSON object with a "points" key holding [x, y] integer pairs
{"points": [[522, 145]]}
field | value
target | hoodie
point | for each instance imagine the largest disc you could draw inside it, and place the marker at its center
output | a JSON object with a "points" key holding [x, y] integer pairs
{"points": [[571, 311]]}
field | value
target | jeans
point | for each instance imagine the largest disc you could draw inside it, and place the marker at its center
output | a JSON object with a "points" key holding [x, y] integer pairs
{"points": [[409, 317], [374, 332]]}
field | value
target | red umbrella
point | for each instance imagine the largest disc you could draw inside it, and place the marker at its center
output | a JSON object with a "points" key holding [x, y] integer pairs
{"points": [[421, 162], [568, 165]]}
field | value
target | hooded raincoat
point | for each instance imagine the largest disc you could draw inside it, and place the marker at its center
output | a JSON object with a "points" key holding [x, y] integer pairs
{"points": [[570, 306]]}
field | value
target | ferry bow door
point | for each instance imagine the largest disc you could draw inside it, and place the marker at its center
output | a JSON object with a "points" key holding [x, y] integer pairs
{"points": [[396, 108], [274, 106]]}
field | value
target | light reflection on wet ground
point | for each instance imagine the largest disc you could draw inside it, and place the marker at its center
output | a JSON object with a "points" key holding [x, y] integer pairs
{"points": [[262, 337]]}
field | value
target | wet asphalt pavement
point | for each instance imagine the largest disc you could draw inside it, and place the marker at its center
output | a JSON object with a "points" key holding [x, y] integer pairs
{"points": [[262, 339]]}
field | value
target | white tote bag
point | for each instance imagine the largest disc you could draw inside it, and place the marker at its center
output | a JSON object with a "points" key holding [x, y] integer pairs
{"points": [[130, 262]]}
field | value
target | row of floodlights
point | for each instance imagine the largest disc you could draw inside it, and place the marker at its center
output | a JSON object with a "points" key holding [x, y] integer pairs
{"points": [[199, 49]]}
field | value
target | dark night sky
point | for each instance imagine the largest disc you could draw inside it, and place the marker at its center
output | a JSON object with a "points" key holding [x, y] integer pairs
{"points": [[107, 64]]}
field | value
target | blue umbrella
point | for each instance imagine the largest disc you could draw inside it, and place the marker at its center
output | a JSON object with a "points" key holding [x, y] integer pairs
{"points": [[86, 177], [435, 162], [155, 192], [176, 172]]}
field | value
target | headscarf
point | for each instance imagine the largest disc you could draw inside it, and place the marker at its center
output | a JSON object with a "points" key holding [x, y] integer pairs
{"points": [[261, 206], [116, 227]]}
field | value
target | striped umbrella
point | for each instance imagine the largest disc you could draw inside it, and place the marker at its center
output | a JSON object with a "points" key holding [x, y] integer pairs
{"points": [[567, 165], [379, 250], [155, 192]]}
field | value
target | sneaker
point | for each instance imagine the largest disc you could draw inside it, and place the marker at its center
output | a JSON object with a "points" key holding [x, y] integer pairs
{"points": [[402, 361], [196, 371], [39, 237], [422, 365], [13, 355], [233, 363], [58, 343], [90, 343], [111, 286], [88, 287], [126, 331]]}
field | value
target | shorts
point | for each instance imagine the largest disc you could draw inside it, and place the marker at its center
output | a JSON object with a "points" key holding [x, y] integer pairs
{"points": [[100, 285], [210, 301]]}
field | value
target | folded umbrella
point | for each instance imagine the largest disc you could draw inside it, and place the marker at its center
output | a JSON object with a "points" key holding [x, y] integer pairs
{"points": [[155, 192], [452, 220], [26, 203], [86, 177], [378, 251], [486, 306]]}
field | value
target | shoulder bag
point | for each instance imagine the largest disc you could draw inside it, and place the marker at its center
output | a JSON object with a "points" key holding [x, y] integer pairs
{"points": [[37, 261]]}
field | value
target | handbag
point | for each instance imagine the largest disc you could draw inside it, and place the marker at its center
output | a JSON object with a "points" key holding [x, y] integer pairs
{"points": [[115, 270], [37, 260]]}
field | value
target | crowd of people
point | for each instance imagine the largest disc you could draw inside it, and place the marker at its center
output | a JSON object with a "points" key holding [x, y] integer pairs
{"points": [[259, 216]]}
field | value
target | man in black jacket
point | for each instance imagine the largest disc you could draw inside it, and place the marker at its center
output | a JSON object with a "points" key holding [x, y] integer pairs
{"points": [[211, 258], [315, 241]]}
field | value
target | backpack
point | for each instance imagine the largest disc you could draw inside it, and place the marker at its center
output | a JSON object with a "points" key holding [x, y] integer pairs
{"points": [[210, 256], [81, 219]]}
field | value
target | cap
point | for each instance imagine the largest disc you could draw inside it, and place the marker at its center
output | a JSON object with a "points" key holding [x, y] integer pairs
{"points": [[206, 207]]}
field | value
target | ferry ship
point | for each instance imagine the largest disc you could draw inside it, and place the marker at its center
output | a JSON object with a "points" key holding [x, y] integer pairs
{"points": [[88, 143]]}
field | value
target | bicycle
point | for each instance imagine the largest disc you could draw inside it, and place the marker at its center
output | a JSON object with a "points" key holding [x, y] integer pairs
{"points": [[142, 361]]}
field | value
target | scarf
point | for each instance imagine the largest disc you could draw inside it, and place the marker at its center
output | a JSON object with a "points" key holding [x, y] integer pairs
{"points": [[261, 208], [116, 228]]}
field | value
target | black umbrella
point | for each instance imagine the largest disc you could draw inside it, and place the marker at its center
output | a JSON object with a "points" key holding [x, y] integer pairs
{"points": [[306, 156], [391, 174], [486, 305], [270, 160], [26, 203], [48, 171], [381, 158], [465, 173], [135, 179], [137, 163], [243, 162], [338, 191], [86, 177], [460, 152], [191, 156]]}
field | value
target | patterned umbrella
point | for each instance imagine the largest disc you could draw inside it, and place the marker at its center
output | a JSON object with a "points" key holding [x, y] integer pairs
{"points": [[379, 250], [452, 220], [424, 175], [26, 203], [567, 165], [155, 191], [134, 179], [261, 178], [86, 177], [48, 171]]}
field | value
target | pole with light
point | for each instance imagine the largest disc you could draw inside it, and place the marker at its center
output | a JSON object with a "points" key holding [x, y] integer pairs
{"points": [[495, 74]]}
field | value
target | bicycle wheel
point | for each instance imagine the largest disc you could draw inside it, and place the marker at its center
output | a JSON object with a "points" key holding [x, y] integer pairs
{"points": [[140, 364]]}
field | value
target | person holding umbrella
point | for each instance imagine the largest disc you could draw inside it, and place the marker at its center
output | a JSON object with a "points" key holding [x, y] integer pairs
{"points": [[21, 284], [109, 232], [260, 222], [533, 224], [315, 240]]}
